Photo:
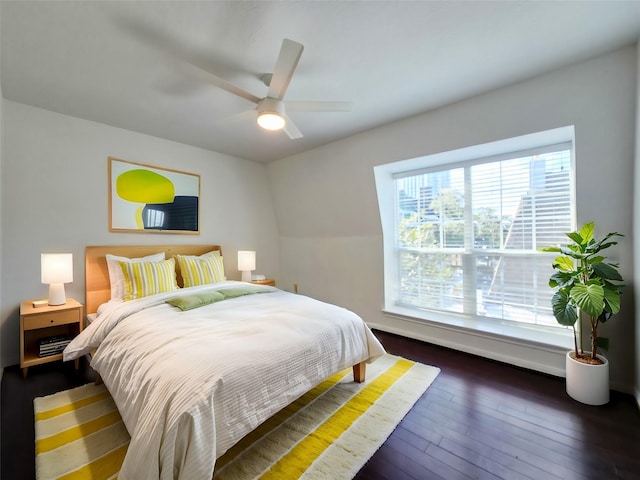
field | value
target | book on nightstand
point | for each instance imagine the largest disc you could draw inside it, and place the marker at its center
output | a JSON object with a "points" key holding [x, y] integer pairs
{"points": [[52, 345]]}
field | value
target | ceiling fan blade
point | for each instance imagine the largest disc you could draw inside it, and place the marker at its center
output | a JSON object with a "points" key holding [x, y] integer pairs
{"points": [[286, 64], [198, 62], [230, 87], [319, 106], [290, 129], [245, 117]]}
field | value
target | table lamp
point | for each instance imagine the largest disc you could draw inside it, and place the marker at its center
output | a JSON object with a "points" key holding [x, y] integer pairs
{"points": [[246, 263], [56, 270]]}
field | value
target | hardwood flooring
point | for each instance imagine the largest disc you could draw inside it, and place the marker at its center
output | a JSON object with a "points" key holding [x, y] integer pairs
{"points": [[480, 419], [487, 420]]}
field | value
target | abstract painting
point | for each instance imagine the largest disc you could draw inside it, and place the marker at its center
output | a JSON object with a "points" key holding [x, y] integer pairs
{"points": [[143, 198]]}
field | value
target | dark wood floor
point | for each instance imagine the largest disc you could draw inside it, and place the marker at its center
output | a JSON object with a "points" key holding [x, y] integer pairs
{"points": [[479, 419], [486, 420]]}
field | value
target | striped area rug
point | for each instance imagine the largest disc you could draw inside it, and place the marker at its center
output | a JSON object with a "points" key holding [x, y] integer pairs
{"points": [[328, 433]]}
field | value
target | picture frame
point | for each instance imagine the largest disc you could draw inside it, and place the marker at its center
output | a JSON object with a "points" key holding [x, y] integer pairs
{"points": [[148, 199]]}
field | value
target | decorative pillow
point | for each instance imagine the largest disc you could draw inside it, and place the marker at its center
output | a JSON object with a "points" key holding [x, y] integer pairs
{"points": [[228, 293], [187, 302], [115, 271], [142, 279], [202, 270]]}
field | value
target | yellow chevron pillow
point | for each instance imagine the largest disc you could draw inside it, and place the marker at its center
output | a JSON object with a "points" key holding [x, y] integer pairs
{"points": [[202, 270], [142, 279]]}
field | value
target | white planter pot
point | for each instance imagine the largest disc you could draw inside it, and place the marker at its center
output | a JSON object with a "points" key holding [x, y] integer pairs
{"points": [[587, 383]]}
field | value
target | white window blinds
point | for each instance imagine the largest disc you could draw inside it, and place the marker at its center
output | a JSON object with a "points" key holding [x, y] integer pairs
{"points": [[467, 234]]}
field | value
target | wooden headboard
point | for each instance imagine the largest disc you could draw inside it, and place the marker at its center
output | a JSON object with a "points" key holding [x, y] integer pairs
{"points": [[97, 285]]}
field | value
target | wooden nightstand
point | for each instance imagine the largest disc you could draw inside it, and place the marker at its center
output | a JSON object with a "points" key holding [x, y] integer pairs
{"points": [[266, 281], [48, 321]]}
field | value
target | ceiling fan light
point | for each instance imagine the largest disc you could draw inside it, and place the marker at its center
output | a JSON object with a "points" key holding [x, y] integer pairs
{"points": [[270, 121]]}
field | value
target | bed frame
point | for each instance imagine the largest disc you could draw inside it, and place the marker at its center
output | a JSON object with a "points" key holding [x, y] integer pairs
{"points": [[98, 287]]}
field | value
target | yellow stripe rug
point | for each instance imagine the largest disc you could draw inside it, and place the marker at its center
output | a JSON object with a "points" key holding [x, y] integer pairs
{"points": [[328, 433]]}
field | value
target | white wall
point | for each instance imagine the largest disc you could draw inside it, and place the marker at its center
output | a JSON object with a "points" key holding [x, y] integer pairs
{"points": [[1, 163], [1, 169], [54, 187], [326, 206], [636, 240]]}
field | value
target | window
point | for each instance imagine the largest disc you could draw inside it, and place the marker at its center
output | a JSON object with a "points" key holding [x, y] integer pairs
{"points": [[465, 233]]}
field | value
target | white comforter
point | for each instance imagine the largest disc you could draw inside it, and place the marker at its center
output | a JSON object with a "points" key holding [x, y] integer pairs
{"points": [[191, 384]]}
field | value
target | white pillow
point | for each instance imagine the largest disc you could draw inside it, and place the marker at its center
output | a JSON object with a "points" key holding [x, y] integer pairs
{"points": [[116, 277]]}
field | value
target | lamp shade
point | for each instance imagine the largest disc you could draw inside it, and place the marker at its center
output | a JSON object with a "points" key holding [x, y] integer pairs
{"points": [[246, 260], [56, 267]]}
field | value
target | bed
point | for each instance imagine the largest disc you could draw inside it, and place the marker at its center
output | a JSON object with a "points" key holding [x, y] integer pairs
{"points": [[196, 367]]}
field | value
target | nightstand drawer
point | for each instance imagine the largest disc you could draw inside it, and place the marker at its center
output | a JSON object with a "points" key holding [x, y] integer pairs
{"points": [[51, 319]]}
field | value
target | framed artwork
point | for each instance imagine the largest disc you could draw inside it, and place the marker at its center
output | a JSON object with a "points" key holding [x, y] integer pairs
{"points": [[147, 199]]}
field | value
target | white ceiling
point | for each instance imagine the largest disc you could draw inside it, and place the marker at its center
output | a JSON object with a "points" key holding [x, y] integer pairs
{"points": [[143, 66]]}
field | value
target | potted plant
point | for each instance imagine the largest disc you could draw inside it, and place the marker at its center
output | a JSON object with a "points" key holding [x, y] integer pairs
{"points": [[588, 287]]}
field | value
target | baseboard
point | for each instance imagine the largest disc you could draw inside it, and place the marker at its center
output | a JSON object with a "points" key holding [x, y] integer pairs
{"points": [[536, 357]]}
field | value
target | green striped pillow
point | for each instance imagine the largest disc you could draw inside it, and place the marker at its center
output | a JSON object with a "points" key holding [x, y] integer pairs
{"points": [[142, 279], [202, 270]]}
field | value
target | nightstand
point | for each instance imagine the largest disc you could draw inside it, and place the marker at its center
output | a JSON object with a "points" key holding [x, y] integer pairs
{"points": [[266, 281], [37, 323]]}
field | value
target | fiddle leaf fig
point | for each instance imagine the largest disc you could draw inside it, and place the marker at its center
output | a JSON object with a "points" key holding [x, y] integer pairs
{"points": [[586, 283]]}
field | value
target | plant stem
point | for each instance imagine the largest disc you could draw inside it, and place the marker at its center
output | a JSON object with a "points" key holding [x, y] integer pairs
{"points": [[594, 336], [585, 280], [580, 333]]}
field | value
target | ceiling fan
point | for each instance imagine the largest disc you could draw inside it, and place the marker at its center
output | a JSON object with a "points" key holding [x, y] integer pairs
{"points": [[271, 109]]}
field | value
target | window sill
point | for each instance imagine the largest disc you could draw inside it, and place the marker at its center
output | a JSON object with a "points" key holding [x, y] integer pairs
{"points": [[532, 335]]}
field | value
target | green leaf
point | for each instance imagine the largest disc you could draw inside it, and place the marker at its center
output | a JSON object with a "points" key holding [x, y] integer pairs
{"points": [[597, 247], [573, 250], [606, 243], [612, 298], [563, 310], [594, 260], [611, 234], [575, 236], [586, 232], [563, 263], [589, 298], [606, 271], [561, 279], [549, 249]]}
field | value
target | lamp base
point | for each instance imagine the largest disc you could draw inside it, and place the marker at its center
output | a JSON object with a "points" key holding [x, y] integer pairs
{"points": [[246, 276], [56, 294]]}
